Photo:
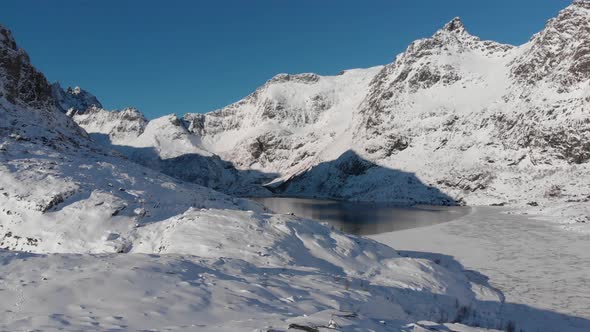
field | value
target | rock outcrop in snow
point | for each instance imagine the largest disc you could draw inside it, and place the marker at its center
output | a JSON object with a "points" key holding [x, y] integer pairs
{"points": [[73, 100], [21, 83]]}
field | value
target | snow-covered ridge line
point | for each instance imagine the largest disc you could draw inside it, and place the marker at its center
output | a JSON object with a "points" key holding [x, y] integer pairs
{"points": [[479, 121]]}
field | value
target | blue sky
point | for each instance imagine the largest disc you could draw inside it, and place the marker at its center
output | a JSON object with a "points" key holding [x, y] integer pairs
{"points": [[195, 56]]}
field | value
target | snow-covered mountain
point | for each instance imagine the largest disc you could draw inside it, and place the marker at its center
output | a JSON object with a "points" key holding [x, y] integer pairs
{"points": [[226, 263], [61, 191], [481, 122], [73, 100], [454, 119], [166, 145]]}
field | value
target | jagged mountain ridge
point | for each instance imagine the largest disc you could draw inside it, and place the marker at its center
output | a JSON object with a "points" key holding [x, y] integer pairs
{"points": [[73, 100], [451, 109], [560, 53], [484, 122]]}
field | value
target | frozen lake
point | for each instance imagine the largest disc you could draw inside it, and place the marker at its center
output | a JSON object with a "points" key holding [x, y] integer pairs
{"points": [[541, 269], [364, 218]]}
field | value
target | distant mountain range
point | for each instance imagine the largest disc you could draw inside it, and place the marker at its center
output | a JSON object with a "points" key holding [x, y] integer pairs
{"points": [[453, 119]]}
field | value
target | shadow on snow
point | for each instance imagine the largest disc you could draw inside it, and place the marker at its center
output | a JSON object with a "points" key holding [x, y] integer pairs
{"points": [[350, 176]]}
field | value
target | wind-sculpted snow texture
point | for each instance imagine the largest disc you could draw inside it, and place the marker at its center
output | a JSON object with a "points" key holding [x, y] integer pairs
{"points": [[93, 241]]}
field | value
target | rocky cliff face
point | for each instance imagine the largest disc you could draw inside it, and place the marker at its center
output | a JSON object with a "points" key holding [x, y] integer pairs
{"points": [[28, 108], [21, 83], [558, 56], [73, 100]]}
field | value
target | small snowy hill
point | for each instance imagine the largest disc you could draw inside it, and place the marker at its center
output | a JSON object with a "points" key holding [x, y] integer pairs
{"points": [[226, 264]]}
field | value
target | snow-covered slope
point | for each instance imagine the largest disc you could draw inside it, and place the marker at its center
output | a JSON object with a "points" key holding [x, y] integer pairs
{"points": [[281, 126], [63, 192], [164, 144], [226, 263], [188, 293], [287, 125]]}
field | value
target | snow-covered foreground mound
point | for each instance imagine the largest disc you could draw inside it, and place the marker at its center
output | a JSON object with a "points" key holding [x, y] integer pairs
{"points": [[60, 192], [188, 293]]}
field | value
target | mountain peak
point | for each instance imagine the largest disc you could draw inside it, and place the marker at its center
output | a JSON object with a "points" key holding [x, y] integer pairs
{"points": [[6, 39], [20, 82], [454, 30], [75, 90], [74, 99], [455, 25], [559, 54]]}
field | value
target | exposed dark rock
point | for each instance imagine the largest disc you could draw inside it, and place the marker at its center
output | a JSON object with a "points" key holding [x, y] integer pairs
{"points": [[20, 81]]}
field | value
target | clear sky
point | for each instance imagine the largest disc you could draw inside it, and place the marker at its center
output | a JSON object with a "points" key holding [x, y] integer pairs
{"points": [[195, 56]]}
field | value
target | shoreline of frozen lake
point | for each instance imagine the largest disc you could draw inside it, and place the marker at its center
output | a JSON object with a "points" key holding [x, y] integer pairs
{"points": [[363, 218]]}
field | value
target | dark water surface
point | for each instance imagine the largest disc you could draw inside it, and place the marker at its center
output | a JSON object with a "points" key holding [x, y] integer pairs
{"points": [[363, 218]]}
